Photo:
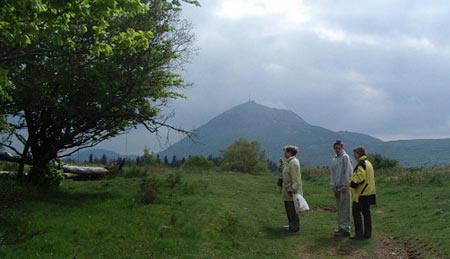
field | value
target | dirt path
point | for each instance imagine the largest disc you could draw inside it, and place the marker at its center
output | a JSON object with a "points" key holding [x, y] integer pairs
{"points": [[386, 248], [390, 247]]}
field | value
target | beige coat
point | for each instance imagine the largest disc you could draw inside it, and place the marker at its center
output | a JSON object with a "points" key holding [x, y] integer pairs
{"points": [[292, 179]]}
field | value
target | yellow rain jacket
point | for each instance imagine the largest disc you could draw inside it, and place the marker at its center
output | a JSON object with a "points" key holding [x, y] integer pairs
{"points": [[363, 182]]}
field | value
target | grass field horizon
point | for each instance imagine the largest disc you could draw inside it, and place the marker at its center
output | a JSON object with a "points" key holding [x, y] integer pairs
{"points": [[213, 214]]}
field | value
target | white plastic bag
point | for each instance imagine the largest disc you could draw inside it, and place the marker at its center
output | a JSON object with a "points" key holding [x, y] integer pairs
{"points": [[300, 203]]}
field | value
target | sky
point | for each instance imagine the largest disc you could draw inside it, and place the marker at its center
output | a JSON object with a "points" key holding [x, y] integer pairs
{"points": [[380, 67]]}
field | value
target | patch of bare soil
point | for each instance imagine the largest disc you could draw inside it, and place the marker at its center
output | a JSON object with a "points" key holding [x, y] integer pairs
{"points": [[391, 247], [341, 251], [388, 247], [349, 252], [325, 208]]}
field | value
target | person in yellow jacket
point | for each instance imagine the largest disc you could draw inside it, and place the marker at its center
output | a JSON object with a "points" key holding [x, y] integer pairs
{"points": [[363, 194], [291, 184]]}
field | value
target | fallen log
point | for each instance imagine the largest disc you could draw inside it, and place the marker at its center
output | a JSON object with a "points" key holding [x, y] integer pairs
{"points": [[8, 175], [84, 170], [94, 172]]}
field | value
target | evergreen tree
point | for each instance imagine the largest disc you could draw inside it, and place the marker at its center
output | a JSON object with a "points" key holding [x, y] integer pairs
{"points": [[91, 158]]}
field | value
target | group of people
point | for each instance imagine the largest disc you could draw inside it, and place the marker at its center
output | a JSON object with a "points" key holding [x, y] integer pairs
{"points": [[353, 188]]}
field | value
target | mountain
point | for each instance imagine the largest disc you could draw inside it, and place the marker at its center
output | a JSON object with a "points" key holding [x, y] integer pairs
{"points": [[275, 128], [83, 155], [417, 152]]}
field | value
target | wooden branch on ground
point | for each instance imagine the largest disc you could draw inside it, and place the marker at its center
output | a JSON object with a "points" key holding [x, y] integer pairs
{"points": [[70, 170]]}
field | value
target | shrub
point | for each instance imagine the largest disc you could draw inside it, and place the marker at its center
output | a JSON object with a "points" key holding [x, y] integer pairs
{"points": [[173, 179], [148, 158], [244, 156], [382, 162], [261, 167], [51, 176], [134, 171], [147, 192], [197, 163]]}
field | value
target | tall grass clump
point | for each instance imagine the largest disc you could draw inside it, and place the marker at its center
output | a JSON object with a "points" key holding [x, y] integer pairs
{"points": [[230, 223], [147, 192]]}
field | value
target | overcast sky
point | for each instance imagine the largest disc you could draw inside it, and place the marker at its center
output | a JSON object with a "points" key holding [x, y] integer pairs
{"points": [[380, 68]]}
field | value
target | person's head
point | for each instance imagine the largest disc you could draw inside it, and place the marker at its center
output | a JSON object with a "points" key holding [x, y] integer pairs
{"points": [[338, 147], [290, 151], [359, 152]]}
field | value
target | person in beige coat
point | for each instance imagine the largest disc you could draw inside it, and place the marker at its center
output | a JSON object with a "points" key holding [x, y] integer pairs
{"points": [[292, 184]]}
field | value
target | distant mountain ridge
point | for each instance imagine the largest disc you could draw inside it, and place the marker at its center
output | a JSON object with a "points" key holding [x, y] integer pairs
{"points": [[274, 128], [83, 155]]}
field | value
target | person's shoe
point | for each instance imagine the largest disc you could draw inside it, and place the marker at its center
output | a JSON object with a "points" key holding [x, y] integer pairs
{"points": [[357, 238], [286, 227], [341, 233]]}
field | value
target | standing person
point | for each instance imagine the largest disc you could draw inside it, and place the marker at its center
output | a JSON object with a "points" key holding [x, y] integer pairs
{"points": [[341, 169], [363, 193], [292, 184]]}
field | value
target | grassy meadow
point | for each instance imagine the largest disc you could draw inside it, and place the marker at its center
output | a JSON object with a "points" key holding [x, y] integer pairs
{"points": [[168, 213]]}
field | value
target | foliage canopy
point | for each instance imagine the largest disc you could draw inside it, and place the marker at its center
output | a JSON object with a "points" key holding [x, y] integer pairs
{"points": [[381, 162], [74, 73], [245, 156]]}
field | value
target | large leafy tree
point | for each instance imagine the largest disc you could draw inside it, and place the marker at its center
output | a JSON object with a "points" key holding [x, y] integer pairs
{"points": [[76, 72], [245, 156]]}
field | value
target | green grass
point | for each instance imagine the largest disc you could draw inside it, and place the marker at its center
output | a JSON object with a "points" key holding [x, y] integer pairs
{"points": [[213, 215]]}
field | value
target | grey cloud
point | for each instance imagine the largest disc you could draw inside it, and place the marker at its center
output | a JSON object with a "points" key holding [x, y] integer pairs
{"points": [[389, 85]]}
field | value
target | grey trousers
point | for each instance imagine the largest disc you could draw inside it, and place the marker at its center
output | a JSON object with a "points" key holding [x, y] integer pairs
{"points": [[343, 205]]}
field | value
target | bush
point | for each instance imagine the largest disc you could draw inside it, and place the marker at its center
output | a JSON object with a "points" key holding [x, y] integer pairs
{"points": [[260, 168], [173, 179], [382, 162], [147, 192], [197, 163], [134, 171], [48, 177], [148, 158], [245, 156]]}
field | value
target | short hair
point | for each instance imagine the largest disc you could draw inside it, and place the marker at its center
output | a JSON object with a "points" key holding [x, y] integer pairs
{"points": [[291, 149], [338, 143], [360, 151]]}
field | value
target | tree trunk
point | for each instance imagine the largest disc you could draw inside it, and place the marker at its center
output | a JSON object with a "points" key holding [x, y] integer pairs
{"points": [[23, 160]]}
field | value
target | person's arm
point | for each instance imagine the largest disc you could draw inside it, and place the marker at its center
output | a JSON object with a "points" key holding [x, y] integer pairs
{"points": [[345, 176], [332, 182], [359, 176]]}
